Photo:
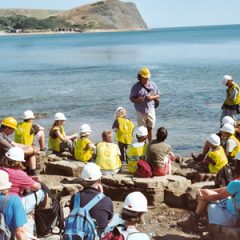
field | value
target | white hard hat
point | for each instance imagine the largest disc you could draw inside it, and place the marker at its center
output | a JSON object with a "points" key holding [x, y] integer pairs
{"points": [[136, 202], [226, 78], [15, 154], [229, 128], [120, 109], [142, 131], [228, 119], [28, 115], [60, 116], [4, 180], [85, 128], [214, 139], [91, 172]]}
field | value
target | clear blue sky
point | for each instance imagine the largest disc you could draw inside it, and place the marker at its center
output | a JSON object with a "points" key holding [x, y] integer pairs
{"points": [[156, 13]]}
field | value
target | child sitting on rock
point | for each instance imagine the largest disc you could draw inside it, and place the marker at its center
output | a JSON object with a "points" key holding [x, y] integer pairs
{"points": [[137, 151], [84, 148], [124, 131], [159, 154], [108, 155]]}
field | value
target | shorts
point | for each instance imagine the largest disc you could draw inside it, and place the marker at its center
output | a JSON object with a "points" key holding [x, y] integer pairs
{"points": [[146, 119], [220, 215], [29, 201]]}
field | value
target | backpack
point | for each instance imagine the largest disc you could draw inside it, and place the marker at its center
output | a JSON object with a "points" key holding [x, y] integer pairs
{"points": [[47, 219], [80, 225], [5, 233], [224, 176], [115, 234], [144, 169]]}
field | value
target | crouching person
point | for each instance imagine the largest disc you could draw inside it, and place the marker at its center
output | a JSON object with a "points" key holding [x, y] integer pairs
{"points": [[12, 209], [134, 206], [26, 187]]}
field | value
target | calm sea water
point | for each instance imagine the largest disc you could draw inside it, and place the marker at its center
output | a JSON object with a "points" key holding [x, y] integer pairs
{"points": [[87, 76]]}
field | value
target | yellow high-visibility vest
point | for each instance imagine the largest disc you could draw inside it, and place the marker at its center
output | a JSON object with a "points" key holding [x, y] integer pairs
{"points": [[236, 101], [23, 133], [54, 143], [82, 151]]}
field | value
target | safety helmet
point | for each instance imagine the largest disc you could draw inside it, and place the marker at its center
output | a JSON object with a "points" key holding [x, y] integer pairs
{"points": [[145, 73], [85, 128], [4, 180], [227, 78], [229, 128], [120, 109], [142, 131], [228, 119], [91, 172], [136, 202], [10, 122], [15, 154], [28, 115], [60, 116], [214, 139]]}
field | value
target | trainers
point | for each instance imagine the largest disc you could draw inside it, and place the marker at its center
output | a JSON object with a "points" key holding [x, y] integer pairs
{"points": [[191, 224]]}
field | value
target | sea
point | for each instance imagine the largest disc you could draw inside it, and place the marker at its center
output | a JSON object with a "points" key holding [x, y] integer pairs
{"points": [[88, 75]]}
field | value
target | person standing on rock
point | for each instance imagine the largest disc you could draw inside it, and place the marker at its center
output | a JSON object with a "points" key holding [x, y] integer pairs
{"points": [[102, 212], [231, 105], [144, 95]]}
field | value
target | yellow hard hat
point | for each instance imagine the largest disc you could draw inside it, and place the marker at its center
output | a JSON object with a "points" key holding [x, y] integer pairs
{"points": [[145, 73], [10, 122]]}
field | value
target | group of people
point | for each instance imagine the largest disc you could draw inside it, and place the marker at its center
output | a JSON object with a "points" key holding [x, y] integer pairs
{"points": [[18, 160]]}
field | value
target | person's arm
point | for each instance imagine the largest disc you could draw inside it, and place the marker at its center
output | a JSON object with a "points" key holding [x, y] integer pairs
{"points": [[36, 186], [233, 94], [20, 233], [230, 145], [211, 195], [134, 95], [155, 97]]}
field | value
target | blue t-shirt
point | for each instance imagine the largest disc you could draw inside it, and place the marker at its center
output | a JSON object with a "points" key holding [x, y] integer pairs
{"points": [[234, 189], [14, 213]]}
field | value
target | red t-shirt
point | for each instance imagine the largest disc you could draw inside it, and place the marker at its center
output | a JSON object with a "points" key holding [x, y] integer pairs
{"points": [[19, 179]]}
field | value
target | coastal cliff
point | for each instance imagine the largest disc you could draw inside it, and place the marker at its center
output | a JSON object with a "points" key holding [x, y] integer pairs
{"points": [[109, 15]]}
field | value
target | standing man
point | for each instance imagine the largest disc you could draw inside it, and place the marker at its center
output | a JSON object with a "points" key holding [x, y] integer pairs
{"points": [[231, 104], [143, 95]]}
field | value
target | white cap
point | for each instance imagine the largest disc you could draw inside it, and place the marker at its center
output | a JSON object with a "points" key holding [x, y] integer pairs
{"points": [[226, 78], [15, 154], [85, 128], [91, 172], [28, 115], [4, 180], [136, 202], [142, 131], [228, 119], [229, 128], [60, 116], [214, 139]]}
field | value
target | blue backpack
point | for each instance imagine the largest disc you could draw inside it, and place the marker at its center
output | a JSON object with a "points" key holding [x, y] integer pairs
{"points": [[79, 224]]}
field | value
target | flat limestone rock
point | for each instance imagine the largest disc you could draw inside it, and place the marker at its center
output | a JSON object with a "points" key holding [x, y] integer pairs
{"points": [[65, 168]]}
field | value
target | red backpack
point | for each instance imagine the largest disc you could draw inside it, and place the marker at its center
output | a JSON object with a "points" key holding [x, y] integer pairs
{"points": [[144, 169], [115, 234]]}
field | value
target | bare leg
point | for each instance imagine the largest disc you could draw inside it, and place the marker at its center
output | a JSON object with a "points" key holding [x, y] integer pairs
{"points": [[149, 133], [41, 139]]}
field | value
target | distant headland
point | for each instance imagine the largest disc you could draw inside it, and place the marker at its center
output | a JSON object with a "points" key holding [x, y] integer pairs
{"points": [[108, 15]]}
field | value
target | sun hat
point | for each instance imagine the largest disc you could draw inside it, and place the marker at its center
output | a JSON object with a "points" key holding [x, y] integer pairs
{"points": [[91, 172], [15, 154], [226, 78], [4, 180], [135, 201], [214, 139], [142, 131]]}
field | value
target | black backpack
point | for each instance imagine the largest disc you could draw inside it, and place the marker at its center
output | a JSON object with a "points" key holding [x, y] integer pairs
{"points": [[47, 219], [224, 176]]}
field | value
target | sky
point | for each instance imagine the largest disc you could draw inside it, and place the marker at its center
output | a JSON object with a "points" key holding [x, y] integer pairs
{"points": [[156, 13]]}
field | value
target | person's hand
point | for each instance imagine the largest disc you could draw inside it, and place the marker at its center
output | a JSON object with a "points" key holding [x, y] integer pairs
{"points": [[36, 151], [36, 178], [140, 99], [149, 97]]}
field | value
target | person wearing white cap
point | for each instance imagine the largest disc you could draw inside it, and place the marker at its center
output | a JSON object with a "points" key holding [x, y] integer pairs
{"points": [[231, 104], [102, 212], [83, 147], [12, 209], [216, 158], [13, 165], [138, 150], [134, 207], [230, 142], [124, 131], [26, 131], [58, 140]]}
